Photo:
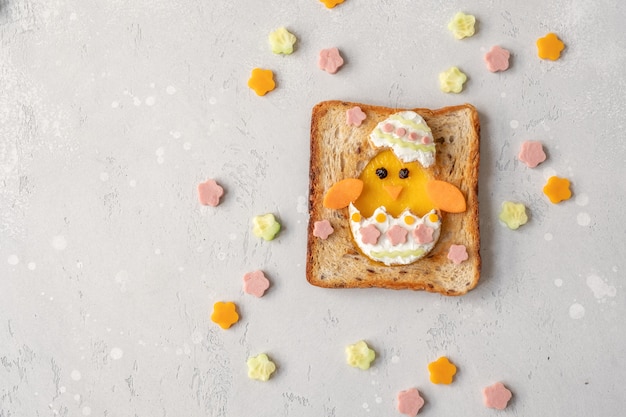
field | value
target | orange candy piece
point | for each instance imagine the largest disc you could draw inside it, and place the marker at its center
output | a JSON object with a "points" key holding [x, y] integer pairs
{"points": [[342, 193], [550, 47], [557, 189], [331, 3], [441, 371], [225, 314], [262, 81]]}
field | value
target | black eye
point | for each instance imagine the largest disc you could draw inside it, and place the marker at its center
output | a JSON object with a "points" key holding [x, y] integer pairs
{"points": [[404, 173], [381, 173]]}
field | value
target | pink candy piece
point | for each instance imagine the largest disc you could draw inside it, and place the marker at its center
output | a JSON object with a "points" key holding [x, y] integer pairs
{"points": [[369, 234], [330, 60], [410, 402], [322, 229], [423, 234], [426, 140], [531, 153], [209, 193], [255, 283], [497, 59], [458, 253], [355, 116], [400, 131], [496, 396], [387, 128], [413, 136], [397, 235]]}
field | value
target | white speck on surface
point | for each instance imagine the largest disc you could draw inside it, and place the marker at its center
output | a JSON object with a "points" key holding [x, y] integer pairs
{"points": [[187, 146], [196, 337], [104, 176], [75, 375], [212, 100], [77, 397], [62, 390], [132, 183], [86, 411], [170, 90], [176, 134], [378, 400], [13, 260], [115, 104], [136, 101], [582, 199], [583, 219], [32, 266], [395, 359], [558, 282], [150, 100], [157, 251], [365, 406], [221, 256], [116, 353], [232, 236], [73, 16], [514, 124], [159, 151], [503, 94], [600, 288], [576, 311], [79, 265], [302, 207], [59, 242], [548, 237]]}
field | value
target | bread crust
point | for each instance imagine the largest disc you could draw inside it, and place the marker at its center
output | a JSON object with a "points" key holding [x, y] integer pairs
{"points": [[340, 151]]}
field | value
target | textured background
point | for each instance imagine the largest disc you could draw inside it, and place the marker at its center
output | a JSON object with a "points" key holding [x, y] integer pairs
{"points": [[111, 112]]}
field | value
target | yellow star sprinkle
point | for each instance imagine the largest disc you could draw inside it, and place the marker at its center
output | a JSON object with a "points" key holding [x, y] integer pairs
{"points": [[557, 189], [441, 371], [462, 25], [550, 47], [452, 80], [359, 355], [261, 81], [260, 367], [513, 214], [282, 41], [331, 3]]}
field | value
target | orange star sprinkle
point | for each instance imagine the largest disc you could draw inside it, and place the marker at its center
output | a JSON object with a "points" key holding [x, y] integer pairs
{"points": [[261, 81], [331, 3], [550, 47], [557, 189], [441, 371], [224, 314]]}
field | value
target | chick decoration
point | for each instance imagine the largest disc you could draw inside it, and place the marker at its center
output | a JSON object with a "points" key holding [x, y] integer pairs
{"points": [[395, 206]]}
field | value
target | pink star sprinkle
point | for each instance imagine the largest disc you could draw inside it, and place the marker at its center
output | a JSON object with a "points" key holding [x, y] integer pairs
{"points": [[355, 116], [209, 193], [322, 229], [496, 396], [457, 253], [369, 234], [423, 234], [497, 59], [397, 234], [410, 402], [255, 283], [531, 153], [330, 60]]}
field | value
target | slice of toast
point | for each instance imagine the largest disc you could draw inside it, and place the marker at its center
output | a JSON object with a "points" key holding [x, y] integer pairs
{"points": [[340, 151]]}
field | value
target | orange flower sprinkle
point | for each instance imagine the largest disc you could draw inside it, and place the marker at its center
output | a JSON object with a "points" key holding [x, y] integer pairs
{"points": [[441, 371], [224, 314], [557, 189], [550, 47], [331, 3], [262, 81]]}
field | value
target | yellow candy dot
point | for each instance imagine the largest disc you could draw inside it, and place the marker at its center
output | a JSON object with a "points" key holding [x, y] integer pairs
{"points": [[356, 217], [380, 217], [409, 220], [433, 218]]}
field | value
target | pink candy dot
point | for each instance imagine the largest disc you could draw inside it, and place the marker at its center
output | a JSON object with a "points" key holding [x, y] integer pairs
{"points": [[413, 136], [400, 131], [426, 140], [388, 128]]}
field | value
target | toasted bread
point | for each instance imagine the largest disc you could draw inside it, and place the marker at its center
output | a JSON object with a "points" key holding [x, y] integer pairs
{"points": [[340, 151]]}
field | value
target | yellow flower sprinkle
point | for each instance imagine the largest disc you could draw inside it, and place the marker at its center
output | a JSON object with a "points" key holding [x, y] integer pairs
{"points": [[462, 25], [359, 355], [452, 80]]}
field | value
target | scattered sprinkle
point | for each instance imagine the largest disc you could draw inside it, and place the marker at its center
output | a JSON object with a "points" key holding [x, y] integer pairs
{"points": [[557, 189], [423, 234], [441, 371], [359, 355], [531, 153], [255, 283], [452, 80], [497, 59], [355, 116], [513, 214], [550, 47], [282, 41], [462, 25], [331, 3], [457, 253], [260, 367], [261, 81], [322, 229], [410, 402], [397, 235], [330, 60], [369, 234], [265, 226], [224, 314], [209, 193], [496, 396]]}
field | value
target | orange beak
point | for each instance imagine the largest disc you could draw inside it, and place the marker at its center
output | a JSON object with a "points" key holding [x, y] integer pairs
{"points": [[393, 191]]}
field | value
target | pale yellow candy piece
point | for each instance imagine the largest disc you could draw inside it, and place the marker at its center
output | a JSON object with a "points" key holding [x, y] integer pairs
{"points": [[282, 41], [513, 214], [265, 226], [260, 367], [462, 25], [452, 80], [359, 355]]}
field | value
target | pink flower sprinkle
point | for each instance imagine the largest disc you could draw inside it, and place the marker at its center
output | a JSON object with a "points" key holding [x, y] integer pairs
{"points": [[531, 153], [423, 234], [209, 193], [255, 283], [397, 235], [369, 234], [322, 229], [496, 396], [355, 116], [400, 131], [410, 402], [497, 59], [458, 253], [330, 60]]}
